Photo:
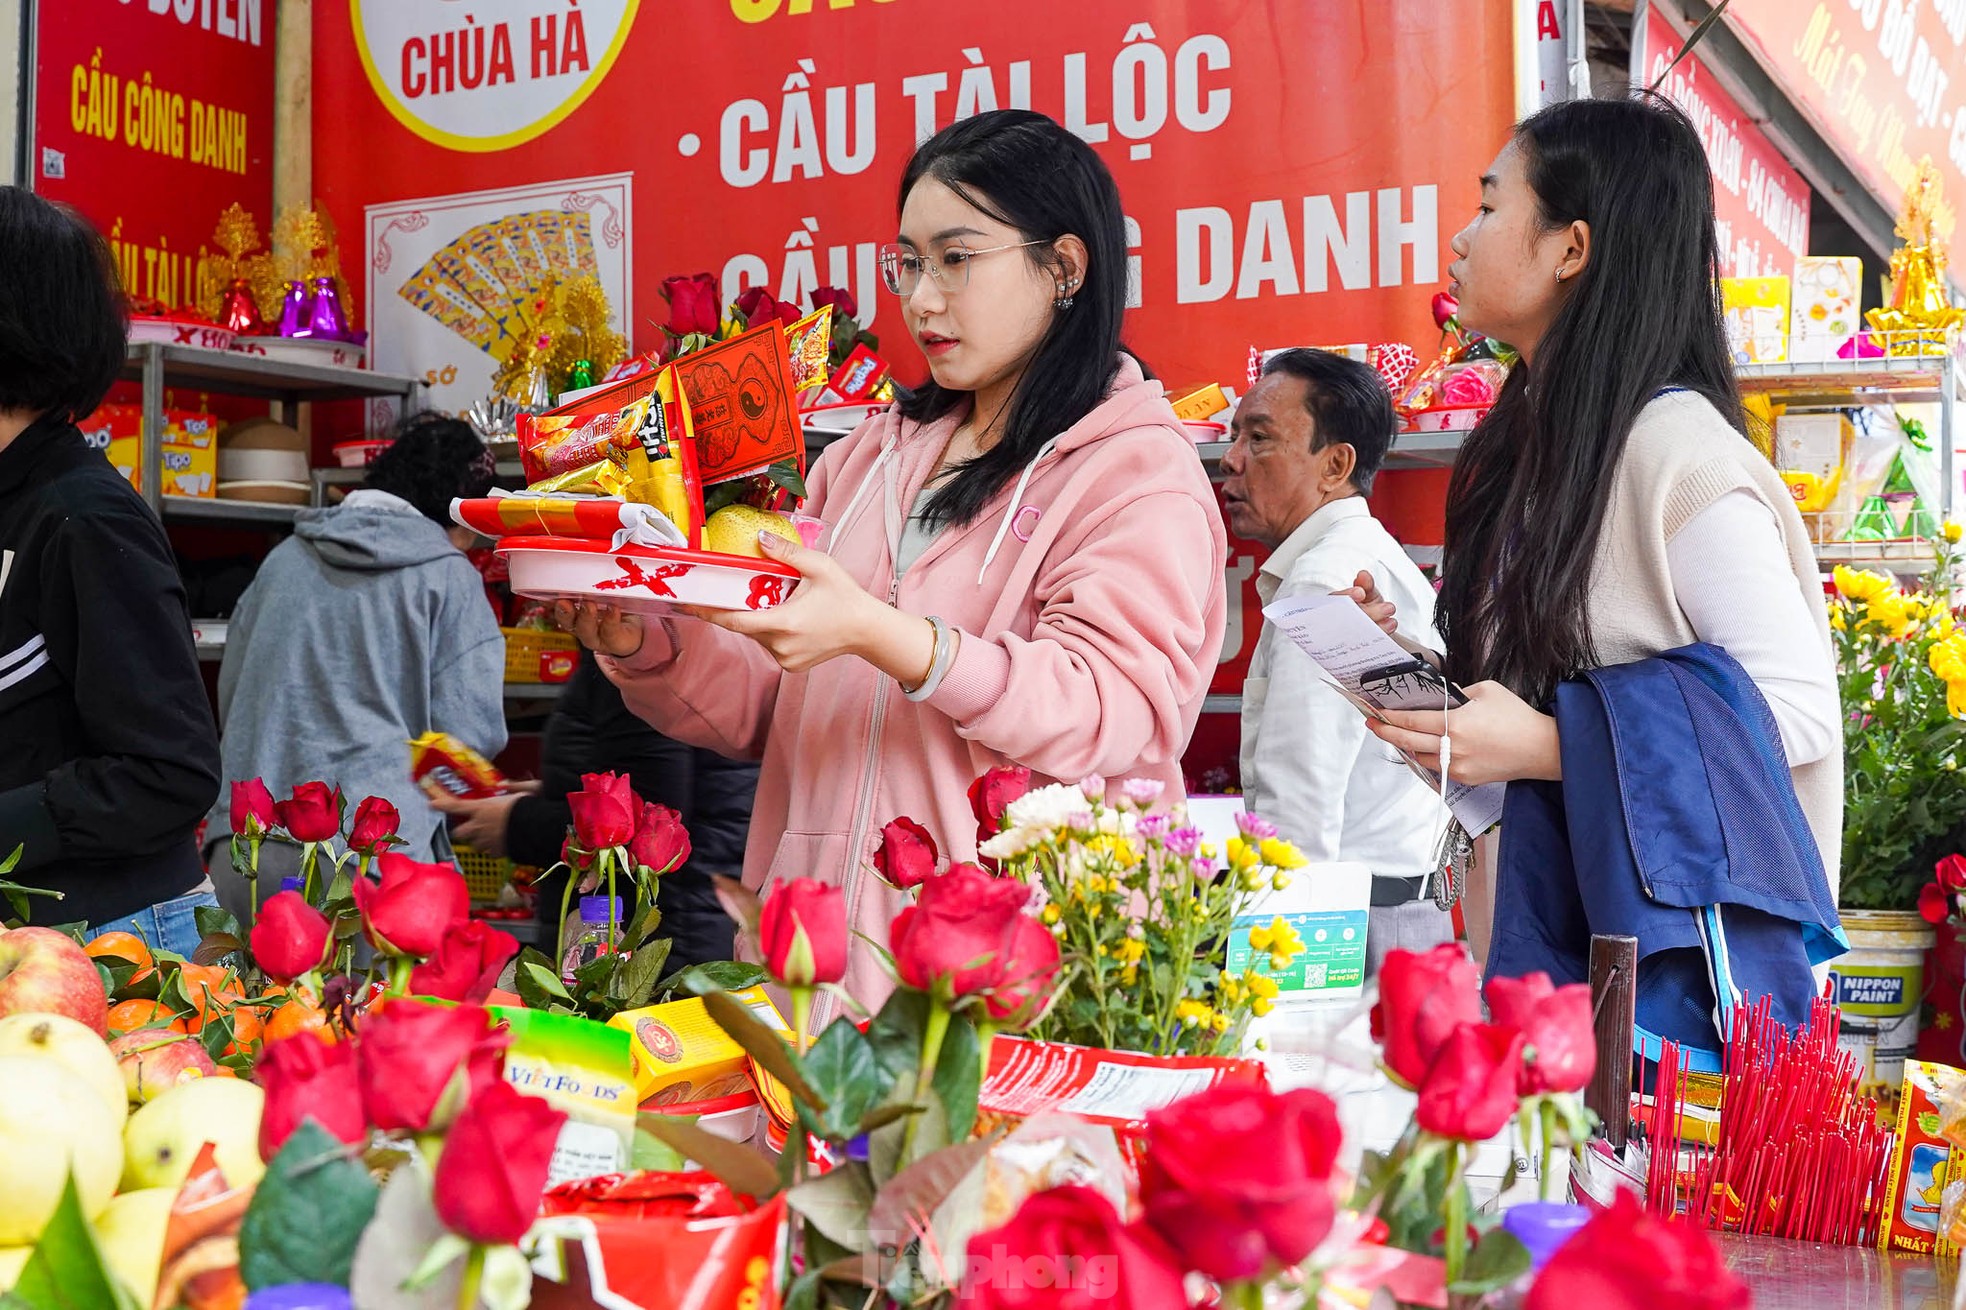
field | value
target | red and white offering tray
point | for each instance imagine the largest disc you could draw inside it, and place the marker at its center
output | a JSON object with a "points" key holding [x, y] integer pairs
{"points": [[644, 579], [179, 331]]}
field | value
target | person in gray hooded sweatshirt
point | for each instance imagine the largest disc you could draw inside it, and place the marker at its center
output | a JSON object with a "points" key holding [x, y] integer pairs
{"points": [[366, 628]]}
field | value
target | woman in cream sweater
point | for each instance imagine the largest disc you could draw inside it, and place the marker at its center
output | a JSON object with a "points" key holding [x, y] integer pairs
{"points": [[1610, 507]]}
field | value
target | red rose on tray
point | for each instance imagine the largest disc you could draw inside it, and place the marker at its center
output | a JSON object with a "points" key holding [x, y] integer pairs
{"points": [[1029, 978], [308, 1077], [906, 856], [1951, 873], [604, 811], [802, 932], [374, 829], [1068, 1249], [495, 1164], [420, 1063], [755, 305], [252, 808], [1561, 1055], [991, 794], [694, 305], [1423, 996], [314, 813], [1626, 1259], [1934, 905], [466, 964], [660, 843], [1470, 1093], [958, 938], [1237, 1179], [412, 908], [291, 937]]}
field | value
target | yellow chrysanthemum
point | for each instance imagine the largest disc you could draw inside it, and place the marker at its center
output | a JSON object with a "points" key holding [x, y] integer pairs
{"points": [[1051, 914], [1262, 985], [1129, 975], [1117, 848], [1242, 855], [1836, 619], [1279, 939], [1952, 532], [1861, 584], [1948, 657], [1893, 613], [1261, 1006], [1193, 1014], [1280, 854], [1230, 988], [1132, 950]]}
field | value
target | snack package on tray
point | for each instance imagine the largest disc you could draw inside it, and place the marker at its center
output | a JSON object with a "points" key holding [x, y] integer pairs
{"points": [[670, 1241], [440, 762], [633, 440], [1920, 1189], [583, 1068]]}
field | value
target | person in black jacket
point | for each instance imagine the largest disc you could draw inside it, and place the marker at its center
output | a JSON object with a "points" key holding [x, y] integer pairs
{"points": [[591, 731], [108, 751]]}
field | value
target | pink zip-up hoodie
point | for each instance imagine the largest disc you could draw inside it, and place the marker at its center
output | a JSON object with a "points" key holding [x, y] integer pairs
{"points": [[1090, 598]]}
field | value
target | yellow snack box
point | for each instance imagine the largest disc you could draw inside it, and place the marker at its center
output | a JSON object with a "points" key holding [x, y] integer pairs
{"points": [[1201, 404], [682, 1055]]}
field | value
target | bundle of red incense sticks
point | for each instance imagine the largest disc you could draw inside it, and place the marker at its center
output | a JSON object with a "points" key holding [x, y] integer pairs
{"points": [[1798, 1154]]}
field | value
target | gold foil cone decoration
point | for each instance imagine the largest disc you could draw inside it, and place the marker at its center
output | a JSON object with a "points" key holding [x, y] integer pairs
{"points": [[1921, 318], [572, 325], [304, 248], [224, 292]]}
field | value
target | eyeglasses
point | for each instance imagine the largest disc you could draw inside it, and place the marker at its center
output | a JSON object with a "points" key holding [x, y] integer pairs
{"points": [[901, 266]]}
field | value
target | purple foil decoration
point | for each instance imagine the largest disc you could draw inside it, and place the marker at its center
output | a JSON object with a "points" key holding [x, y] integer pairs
{"points": [[294, 312], [326, 320]]}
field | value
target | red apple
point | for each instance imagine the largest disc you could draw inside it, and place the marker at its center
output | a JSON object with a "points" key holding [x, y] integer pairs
{"points": [[43, 972], [154, 1060]]}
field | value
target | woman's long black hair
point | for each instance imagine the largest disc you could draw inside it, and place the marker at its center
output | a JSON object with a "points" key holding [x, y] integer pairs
{"points": [[1528, 499], [1026, 171]]}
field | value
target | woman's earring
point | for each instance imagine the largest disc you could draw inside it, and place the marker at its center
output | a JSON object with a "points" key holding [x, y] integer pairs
{"points": [[1559, 275], [1065, 289]]}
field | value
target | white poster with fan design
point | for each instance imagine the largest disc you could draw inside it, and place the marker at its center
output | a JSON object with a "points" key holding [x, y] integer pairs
{"points": [[457, 284]]}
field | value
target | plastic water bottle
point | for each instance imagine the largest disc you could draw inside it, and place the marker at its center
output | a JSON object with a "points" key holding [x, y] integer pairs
{"points": [[290, 883], [589, 937]]}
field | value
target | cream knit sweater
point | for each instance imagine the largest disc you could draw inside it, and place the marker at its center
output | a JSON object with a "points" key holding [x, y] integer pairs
{"points": [[1680, 458]]}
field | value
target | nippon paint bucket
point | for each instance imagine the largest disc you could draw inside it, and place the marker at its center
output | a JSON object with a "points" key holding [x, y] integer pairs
{"points": [[1878, 985]]}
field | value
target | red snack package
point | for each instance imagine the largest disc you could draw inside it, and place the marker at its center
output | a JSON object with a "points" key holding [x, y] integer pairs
{"points": [[440, 762], [680, 1241]]}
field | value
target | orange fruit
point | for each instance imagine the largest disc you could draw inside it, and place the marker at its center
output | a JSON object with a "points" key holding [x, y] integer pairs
{"points": [[247, 1024], [295, 1018], [128, 1016], [209, 990], [121, 946]]}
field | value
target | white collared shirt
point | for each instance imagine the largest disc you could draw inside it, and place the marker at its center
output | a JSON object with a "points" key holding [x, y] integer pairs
{"points": [[1308, 764]]}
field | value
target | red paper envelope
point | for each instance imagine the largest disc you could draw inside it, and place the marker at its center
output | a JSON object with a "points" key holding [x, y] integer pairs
{"points": [[740, 400]]}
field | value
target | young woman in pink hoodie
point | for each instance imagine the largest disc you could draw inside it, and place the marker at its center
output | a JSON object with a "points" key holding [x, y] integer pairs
{"points": [[1023, 563]]}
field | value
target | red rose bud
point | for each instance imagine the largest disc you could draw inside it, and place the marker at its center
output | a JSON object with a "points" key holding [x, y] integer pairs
{"points": [[1445, 308], [755, 305], [957, 938], [252, 808], [661, 843], [308, 1077], [842, 301], [1934, 906], [906, 856], [694, 305], [802, 933], [374, 830], [291, 937], [991, 794], [467, 963], [1424, 996], [1045, 1258], [495, 1164], [1030, 978], [413, 907], [421, 1062], [1626, 1259], [604, 811], [1237, 1179], [314, 813], [1561, 1050], [1951, 872], [1470, 1093]]}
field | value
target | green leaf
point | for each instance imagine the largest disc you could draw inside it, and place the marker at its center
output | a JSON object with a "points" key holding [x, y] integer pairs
{"points": [[643, 970], [307, 1214], [596, 977], [740, 1168], [837, 1204], [1497, 1260], [652, 1153], [342, 886], [645, 927], [762, 1045], [803, 1294], [216, 946], [443, 1253], [217, 1034], [66, 1271], [714, 976], [212, 919], [882, 1115], [916, 1191], [546, 979], [896, 1033], [959, 1076], [786, 474], [842, 1068]]}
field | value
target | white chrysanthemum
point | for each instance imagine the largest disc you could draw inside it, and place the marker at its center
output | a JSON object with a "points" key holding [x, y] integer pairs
{"points": [[1050, 809], [1011, 843]]}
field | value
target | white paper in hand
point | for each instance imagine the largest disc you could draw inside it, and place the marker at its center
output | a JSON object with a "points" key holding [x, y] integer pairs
{"points": [[1376, 673]]}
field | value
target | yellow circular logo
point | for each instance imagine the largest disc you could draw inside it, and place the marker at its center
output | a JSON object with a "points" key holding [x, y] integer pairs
{"points": [[487, 81]]}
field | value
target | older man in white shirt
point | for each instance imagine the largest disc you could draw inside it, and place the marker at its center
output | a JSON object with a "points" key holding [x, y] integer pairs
{"points": [[1305, 444]]}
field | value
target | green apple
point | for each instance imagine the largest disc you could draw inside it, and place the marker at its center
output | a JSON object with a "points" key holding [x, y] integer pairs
{"points": [[131, 1233], [52, 1122], [61, 1039], [164, 1137]]}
